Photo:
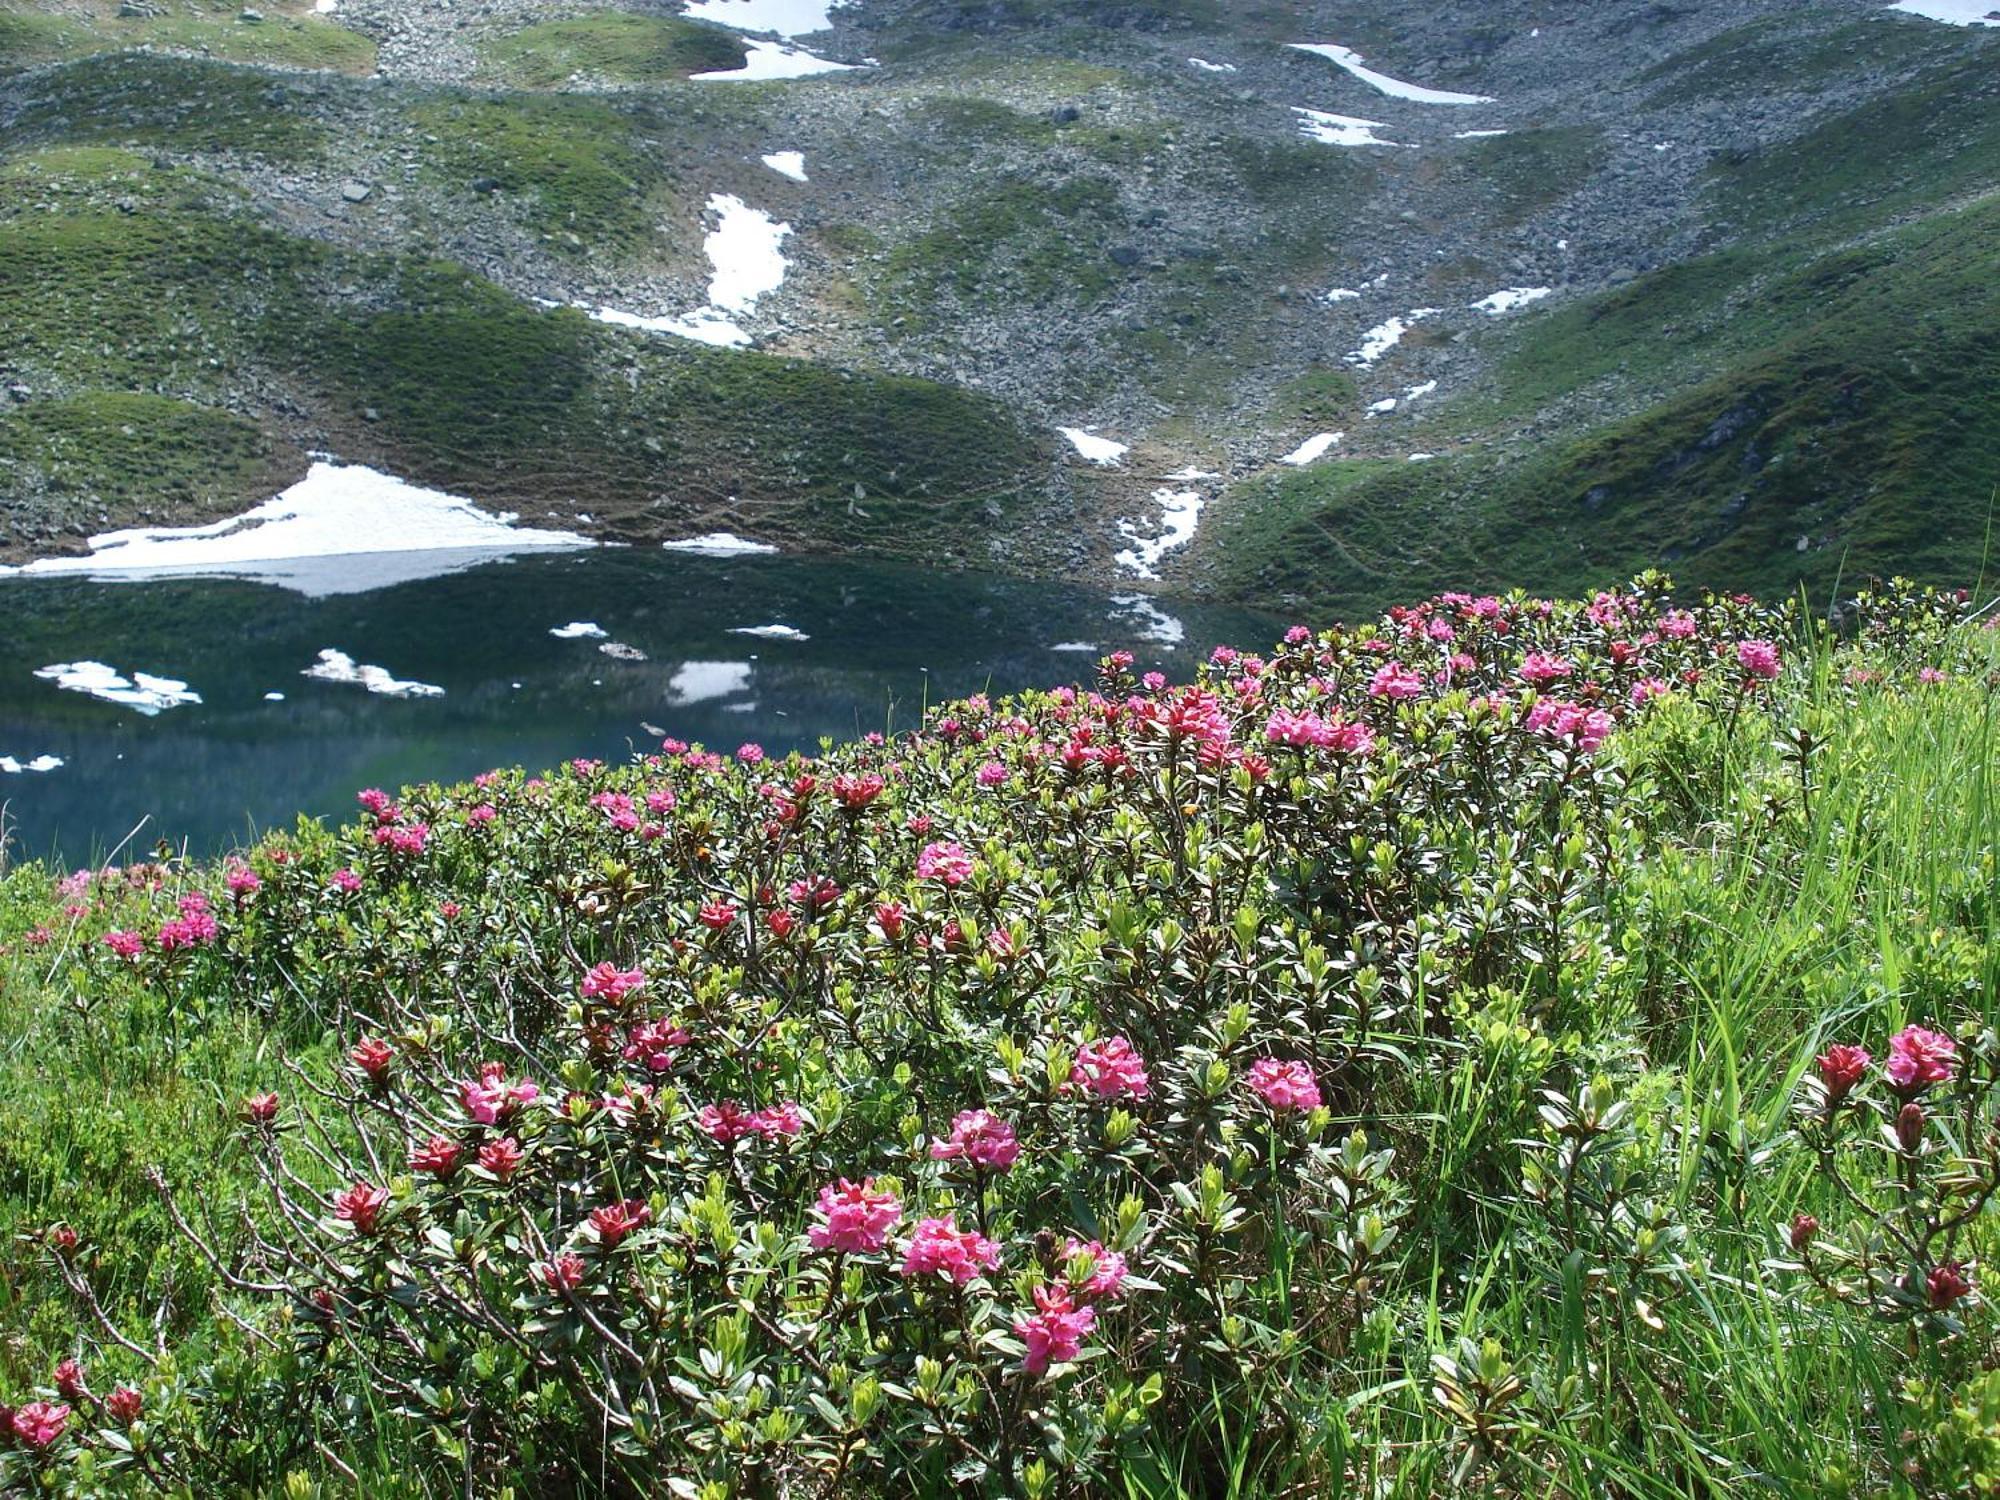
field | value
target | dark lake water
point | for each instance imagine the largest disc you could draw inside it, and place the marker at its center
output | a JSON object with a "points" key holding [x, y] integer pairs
{"points": [[211, 774]]}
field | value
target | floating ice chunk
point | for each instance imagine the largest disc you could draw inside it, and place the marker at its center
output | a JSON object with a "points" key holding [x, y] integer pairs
{"points": [[1420, 390], [1212, 67], [1475, 135], [143, 691], [13, 767], [720, 544], [337, 510], [1311, 448], [790, 164], [786, 18], [338, 666], [1074, 646], [1154, 624], [1099, 450], [1348, 58], [704, 681], [1386, 404], [580, 630], [1180, 511], [1509, 299], [1952, 12], [771, 632], [1383, 337], [769, 61], [1339, 130], [274, 697], [1342, 294]]}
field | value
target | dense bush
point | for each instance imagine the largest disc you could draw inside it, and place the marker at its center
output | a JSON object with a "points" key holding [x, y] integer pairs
{"points": [[1320, 1075]]}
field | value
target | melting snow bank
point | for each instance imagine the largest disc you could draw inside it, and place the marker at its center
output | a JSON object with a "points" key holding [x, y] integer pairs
{"points": [[337, 510], [1180, 510], [1153, 624], [786, 18], [1952, 12], [13, 767], [746, 263], [580, 630], [1509, 299], [720, 544], [1341, 294], [771, 632], [1097, 449], [790, 164], [769, 61], [1383, 337], [1210, 67], [743, 251], [1348, 58], [143, 691], [1339, 130], [338, 666], [1311, 448]]}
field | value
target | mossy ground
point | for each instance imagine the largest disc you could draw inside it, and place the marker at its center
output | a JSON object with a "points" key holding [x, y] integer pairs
{"points": [[613, 46], [31, 34]]}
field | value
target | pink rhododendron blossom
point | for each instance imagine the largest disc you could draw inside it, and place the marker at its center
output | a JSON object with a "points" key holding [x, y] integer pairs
{"points": [[361, 1206], [562, 1274], [614, 1222], [716, 915], [1758, 659], [491, 1098], [127, 945], [1946, 1284], [854, 1217], [39, 1423], [502, 1158], [373, 1056], [611, 984], [1054, 1332], [1107, 1268], [940, 1247], [124, 1405], [1540, 668], [654, 1043], [1840, 1069], [1110, 1069], [1395, 681], [945, 861], [984, 1139], [260, 1109], [438, 1156], [1284, 1085], [1919, 1058]]}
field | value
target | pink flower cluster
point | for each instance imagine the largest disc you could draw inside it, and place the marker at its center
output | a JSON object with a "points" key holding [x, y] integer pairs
{"points": [[1284, 1085], [940, 1247], [1110, 1069], [981, 1138], [731, 1121], [611, 984], [491, 1098], [855, 1218], [1054, 1332], [944, 861]]}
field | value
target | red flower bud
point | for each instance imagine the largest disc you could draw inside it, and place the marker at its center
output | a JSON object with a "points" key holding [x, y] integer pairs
{"points": [[124, 1405], [1910, 1125], [1946, 1284], [1804, 1227]]}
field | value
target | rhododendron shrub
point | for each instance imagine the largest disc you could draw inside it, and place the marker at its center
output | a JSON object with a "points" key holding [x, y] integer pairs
{"points": [[987, 1105]]}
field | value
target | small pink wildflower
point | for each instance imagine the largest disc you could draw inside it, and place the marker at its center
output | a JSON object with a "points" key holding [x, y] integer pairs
{"points": [[1918, 1058]]}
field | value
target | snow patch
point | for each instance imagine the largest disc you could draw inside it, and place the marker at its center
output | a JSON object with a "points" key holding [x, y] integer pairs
{"points": [[1074, 646], [13, 767], [580, 630], [1154, 624], [1417, 458], [786, 18], [336, 511], [1395, 88], [274, 697], [338, 666], [325, 7], [1339, 130], [1311, 448], [1420, 390], [790, 164], [1475, 135], [1952, 12], [1191, 474], [1507, 300], [1341, 294], [704, 681], [767, 62], [1212, 67], [1386, 404], [746, 263], [142, 691], [1383, 337], [1180, 511], [1099, 450], [720, 544], [771, 632]]}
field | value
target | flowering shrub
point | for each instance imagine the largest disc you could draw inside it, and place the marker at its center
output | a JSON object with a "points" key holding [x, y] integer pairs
{"points": [[991, 1107]]}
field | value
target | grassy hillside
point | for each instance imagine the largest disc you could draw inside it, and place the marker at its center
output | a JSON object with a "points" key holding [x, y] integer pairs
{"points": [[1477, 1121]]}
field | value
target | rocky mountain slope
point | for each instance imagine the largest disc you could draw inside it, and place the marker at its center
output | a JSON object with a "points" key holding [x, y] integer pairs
{"points": [[1581, 288]]}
